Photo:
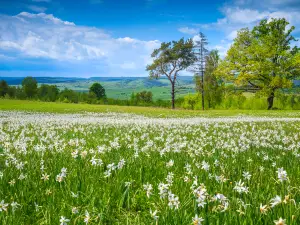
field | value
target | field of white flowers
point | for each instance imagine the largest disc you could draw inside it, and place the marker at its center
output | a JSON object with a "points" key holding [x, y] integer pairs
{"points": [[127, 169]]}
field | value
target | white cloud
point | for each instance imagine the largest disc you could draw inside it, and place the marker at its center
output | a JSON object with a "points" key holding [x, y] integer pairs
{"points": [[187, 30], [232, 35], [41, 17], [243, 16], [45, 36]]}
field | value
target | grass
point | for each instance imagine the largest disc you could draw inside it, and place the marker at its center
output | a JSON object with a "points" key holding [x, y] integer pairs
{"points": [[57, 107], [93, 170]]}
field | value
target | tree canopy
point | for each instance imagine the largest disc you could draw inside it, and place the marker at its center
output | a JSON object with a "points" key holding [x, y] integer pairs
{"points": [[171, 58], [98, 90], [30, 87], [263, 58]]}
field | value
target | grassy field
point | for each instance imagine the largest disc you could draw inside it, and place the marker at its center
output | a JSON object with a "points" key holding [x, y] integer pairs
{"points": [[127, 169], [57, 107]]}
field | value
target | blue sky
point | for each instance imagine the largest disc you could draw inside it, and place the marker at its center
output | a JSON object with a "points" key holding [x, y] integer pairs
{"points": [[85, 38]]}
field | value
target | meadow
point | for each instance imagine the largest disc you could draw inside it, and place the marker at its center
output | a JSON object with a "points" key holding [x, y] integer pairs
{"points": [[106, 166]]}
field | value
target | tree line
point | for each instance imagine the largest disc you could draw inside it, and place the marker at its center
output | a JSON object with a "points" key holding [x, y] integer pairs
{"points": [[262, 59], [30, 89]]}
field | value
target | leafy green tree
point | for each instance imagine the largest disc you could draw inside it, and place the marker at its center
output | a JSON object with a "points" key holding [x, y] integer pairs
{"points": [[68, 95], [263, 58], [170, 59], [98, 90], [3, 88], [48, 92], [144, 97], [212, 87], [29, 85], [12, 90]]}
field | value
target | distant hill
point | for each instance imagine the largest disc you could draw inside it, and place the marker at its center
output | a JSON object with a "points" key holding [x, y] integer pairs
{"points": [[116, 87]]}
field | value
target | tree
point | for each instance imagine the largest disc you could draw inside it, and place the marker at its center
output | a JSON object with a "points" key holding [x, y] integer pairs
{"points": [[98, 90], [29, 85], [199, 66], [144, 96], [212, 88], [3, 88], [263, 58], [170, 59], [48, 92], [68, 95]]}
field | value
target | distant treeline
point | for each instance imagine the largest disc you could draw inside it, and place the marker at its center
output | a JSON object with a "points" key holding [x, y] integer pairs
{"points": [[29, 89], [216, 97]]}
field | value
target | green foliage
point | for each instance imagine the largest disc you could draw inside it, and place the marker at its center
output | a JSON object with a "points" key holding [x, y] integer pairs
{"points": [[48, 93], [30, 88], [263, 58], [68, 96], [98, 90], [3, 88], [144, 96], [191, 101], [170, 59], [213, 88]]}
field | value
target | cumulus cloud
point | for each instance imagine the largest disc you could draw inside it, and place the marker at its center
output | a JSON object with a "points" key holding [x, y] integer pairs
{"points": [[247, 13], [44, 36]]}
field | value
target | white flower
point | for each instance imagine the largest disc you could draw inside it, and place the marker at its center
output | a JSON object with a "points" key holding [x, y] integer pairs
{"points": [[59, 178], [246, 175], [163, 189], [170, 163], [263, 209], [153, 214], [74, 210], [22, 176], [63, 172], [205, 166], [87, 217], [275, 201], [14, 206], [282, 174], [121, 164], [63, 220], [280, 221], [169, 178], [197, 220], [3, 206], [45, 177], [240, 188], [173, 201], [74, 154], [148, 188], [12, 182]]}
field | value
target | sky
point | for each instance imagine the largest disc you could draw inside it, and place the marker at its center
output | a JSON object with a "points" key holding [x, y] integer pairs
{"points": [[115, 38]]}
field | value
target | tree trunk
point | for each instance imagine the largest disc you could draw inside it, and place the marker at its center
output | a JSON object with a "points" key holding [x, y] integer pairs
{"points": [[202, 89], [270, 101], [173, 95]]}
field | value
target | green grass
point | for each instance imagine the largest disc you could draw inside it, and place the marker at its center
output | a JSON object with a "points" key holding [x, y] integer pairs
{"points": [[35, 145], [57, 107]]}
